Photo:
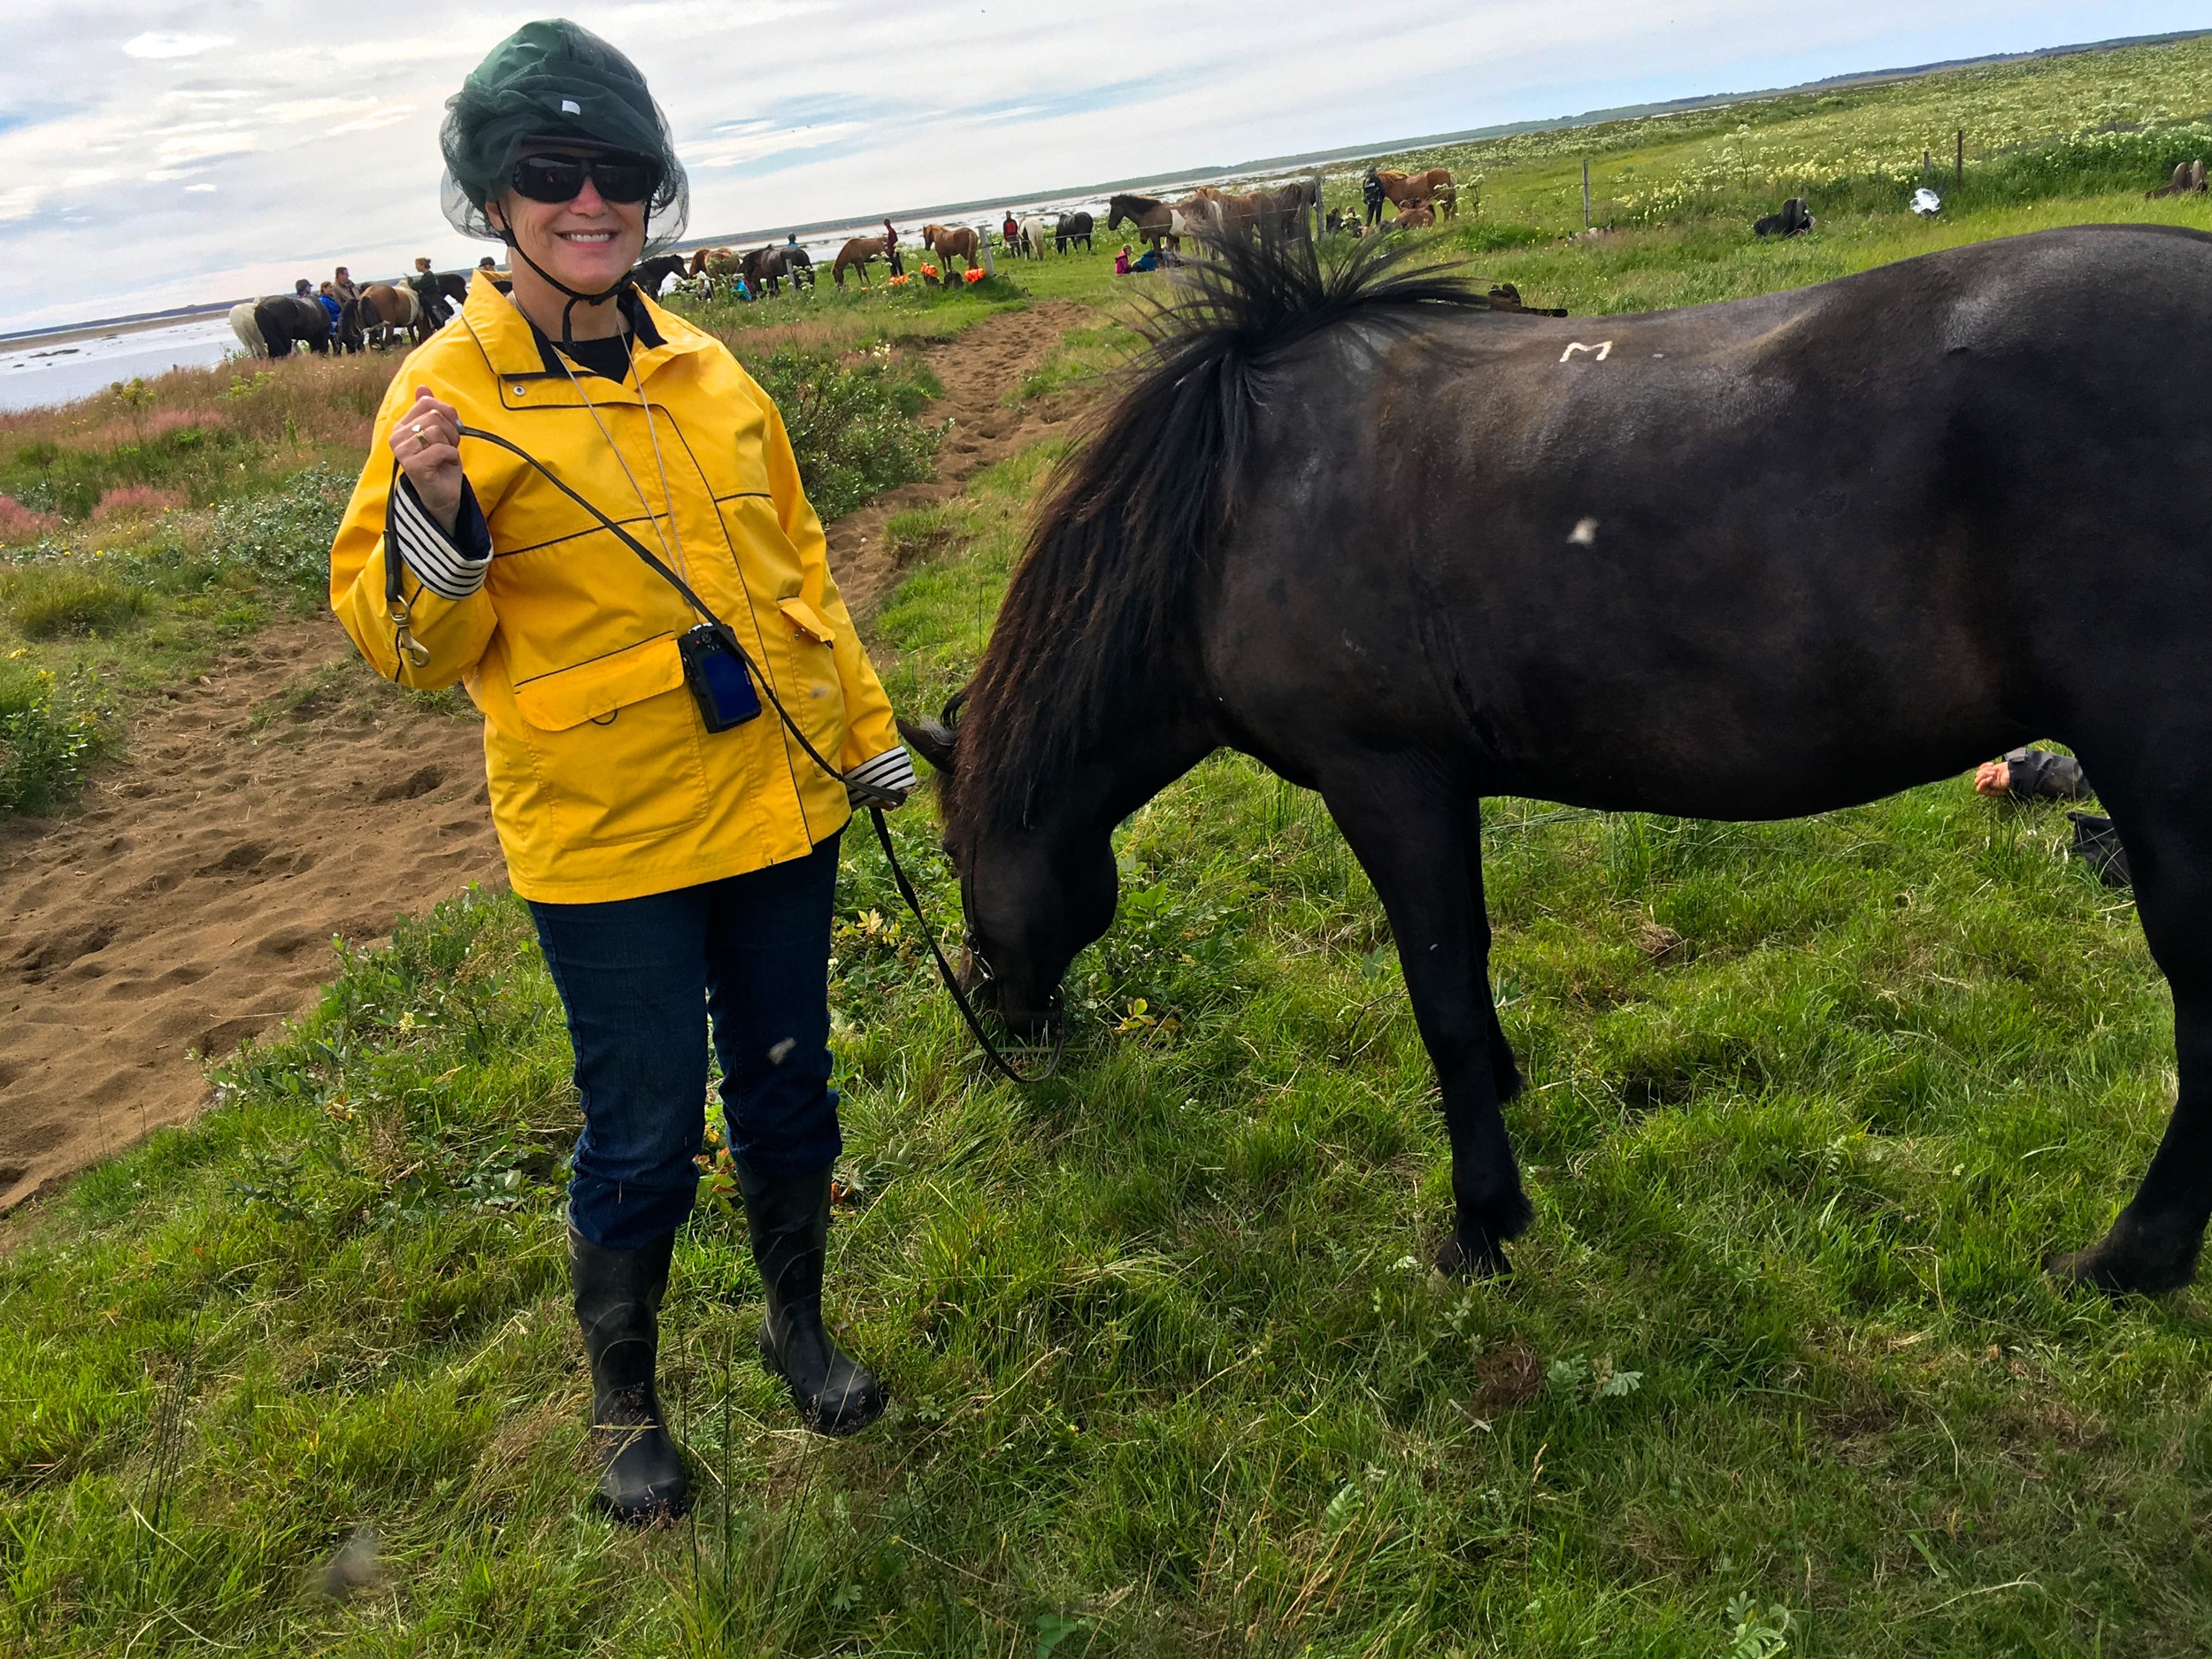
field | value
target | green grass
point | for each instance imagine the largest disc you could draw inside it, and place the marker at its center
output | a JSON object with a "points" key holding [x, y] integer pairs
{"points": [[1808, 1102]]}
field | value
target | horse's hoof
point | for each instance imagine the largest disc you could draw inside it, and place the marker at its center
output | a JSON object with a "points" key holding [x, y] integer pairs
{"points": [[1484, 1258], [2129, 1262]]}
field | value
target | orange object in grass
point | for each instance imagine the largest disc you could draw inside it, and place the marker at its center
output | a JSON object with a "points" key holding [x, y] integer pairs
{"points": [[972, 274]]}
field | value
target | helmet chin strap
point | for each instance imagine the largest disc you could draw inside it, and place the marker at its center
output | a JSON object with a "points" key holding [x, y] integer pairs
{"points": [[576, 296]]}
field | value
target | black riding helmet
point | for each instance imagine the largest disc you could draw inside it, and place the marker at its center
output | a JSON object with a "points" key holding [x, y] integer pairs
{"points": [[552, 82]]}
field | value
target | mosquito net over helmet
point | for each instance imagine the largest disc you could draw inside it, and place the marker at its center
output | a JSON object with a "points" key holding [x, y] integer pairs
{"points": [[551, 81]]}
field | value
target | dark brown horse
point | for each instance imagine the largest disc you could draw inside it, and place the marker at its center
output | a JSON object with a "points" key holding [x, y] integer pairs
{"points": [[1154, 221], [1749, 560]]}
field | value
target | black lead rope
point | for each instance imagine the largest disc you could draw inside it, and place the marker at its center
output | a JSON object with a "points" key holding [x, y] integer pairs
{"points": [[728, 636]]}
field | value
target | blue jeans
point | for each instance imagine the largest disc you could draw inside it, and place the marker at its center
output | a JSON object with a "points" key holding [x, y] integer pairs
{"points": [[639, 978]]}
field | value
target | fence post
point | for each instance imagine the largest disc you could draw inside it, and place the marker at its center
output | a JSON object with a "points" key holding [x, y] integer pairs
{"points": [[1961, 168], [1585, 193]]}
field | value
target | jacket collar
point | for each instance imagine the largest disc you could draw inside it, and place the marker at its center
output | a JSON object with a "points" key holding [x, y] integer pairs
{"points": [[516, 350]]}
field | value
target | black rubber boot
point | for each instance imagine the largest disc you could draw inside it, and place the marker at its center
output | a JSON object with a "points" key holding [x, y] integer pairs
{"points": [[618, 1304], [789, 1223]]}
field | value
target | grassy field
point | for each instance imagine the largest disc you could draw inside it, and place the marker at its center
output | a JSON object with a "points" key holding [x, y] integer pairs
{"points": [[1777, 1374]]}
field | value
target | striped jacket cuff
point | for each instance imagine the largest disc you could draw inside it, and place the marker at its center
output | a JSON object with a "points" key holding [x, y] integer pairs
{"points": [[451, 566], [891, 772]]}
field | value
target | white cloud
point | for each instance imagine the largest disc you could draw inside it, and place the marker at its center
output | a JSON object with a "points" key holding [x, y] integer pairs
{"points": [[199, 190], [751, 141], [20, 202], [391, 115], [159, 45]]}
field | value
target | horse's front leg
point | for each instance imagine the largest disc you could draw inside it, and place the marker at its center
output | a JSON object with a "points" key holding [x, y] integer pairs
{"points": [[1416, 831], [2155, 1241]]}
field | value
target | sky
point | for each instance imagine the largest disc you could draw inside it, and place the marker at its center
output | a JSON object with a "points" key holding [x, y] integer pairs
{"points": [[159, 154]]}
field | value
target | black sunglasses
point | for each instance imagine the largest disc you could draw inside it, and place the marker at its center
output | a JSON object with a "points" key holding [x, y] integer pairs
{"points": [[620, 177]]}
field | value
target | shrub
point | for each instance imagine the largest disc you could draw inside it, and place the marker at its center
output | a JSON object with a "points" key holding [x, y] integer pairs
{"points": [[50, 732], [19, 523], [45, 600], [852, 429], [287, 534], [134, 501]]}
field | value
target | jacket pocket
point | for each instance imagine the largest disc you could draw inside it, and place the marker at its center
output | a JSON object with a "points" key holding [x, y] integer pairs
{"points": [[615, 745]]}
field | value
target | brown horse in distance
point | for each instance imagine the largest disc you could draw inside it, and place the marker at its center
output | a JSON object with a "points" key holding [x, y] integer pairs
{"points": [[1402, 190], [387, 309], [855, 253], [1154, 221], [717, 262], [949, 242], [1415, 216]]}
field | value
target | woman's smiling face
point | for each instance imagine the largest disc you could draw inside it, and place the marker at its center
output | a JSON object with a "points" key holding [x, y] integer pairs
{"points": [[588, 244]]}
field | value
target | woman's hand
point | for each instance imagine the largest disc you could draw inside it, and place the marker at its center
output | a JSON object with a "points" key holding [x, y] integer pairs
{"points": [[428, 445]]}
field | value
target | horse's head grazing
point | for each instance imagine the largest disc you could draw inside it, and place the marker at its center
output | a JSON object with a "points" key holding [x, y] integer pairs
{"points": [[1030, 894]]}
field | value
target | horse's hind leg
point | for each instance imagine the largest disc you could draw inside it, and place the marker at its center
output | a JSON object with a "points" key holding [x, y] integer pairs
{"points": [[1419, 838], [2153, 1245]]}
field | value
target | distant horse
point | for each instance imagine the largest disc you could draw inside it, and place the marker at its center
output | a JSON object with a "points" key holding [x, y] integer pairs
{"points": [[285, 321], [798, 264], [650, 276], [855, 253], [1403, 189], [718, 262], [1208, 208], [1793, 220], [1746, 561], [1282, 211], [949, 242], [387, 308], [1035, 233], [2187, 180], [1415, 216], [1072, 229], [1154, 221], [241, 324], [764, 269]]}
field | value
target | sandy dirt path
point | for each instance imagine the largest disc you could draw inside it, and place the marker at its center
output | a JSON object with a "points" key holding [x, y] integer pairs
{"points": [[285, 797]]}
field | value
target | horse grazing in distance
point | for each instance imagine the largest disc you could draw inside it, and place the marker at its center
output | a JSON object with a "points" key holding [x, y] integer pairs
{"points": [[387, 308], [798, 264], [1401, 190], [241, 324], [286, 320], [949, 242], [1793, 220], [715, 262], [1415, 216], [650, 276], [764, 269], [1072, 229], [1154, 221], [1281, 211], [855, 253], [2188, 179], [1034, 234], [1572, 582]]}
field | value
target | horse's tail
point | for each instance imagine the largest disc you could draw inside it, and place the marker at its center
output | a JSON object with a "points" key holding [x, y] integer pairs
{"points": [[1133, 515]]}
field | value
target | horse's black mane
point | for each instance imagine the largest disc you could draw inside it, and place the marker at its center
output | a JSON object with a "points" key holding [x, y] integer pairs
{"points": [[1102, 591]]}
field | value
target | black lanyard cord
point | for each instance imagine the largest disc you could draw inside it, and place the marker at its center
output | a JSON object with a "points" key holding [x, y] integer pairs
{"points": [[729, 636]]}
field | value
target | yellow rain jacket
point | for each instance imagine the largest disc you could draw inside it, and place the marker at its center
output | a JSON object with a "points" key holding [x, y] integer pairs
{"points": [[605, 783]]}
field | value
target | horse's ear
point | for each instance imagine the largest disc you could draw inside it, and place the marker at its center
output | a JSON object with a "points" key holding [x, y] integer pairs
{"points": [[935, 743]]}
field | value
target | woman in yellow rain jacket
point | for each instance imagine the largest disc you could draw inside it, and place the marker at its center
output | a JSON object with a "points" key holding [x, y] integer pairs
{"points": [[677, 845]]}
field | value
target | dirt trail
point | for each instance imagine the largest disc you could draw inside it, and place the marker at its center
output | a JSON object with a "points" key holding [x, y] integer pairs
{"points": [[976, 368], [286, 796]]}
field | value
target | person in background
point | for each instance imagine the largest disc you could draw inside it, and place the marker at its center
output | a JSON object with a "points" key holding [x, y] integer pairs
{"points": [[303, 288], [1011, 231], [425, 282], [328, 295], [1121, 261], [342, 285], [676, 845]]}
